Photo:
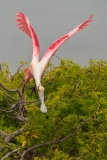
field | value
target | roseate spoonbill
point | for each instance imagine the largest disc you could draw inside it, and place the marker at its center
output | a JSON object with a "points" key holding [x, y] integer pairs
{"points": [[37, 67]]}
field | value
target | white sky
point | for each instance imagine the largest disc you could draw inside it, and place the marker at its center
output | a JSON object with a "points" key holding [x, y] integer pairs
{"points": [[51, 20]]}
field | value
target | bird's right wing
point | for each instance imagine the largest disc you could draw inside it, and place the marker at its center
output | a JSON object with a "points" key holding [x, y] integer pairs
{"points": [[53, 48], [24, 25]]}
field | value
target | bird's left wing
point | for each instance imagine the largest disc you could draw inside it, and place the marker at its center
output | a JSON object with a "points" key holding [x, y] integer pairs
{"points": [[24, 25], [52, 49]]}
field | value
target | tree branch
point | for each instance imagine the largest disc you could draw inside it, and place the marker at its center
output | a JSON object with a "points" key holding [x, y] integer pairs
{"points": [[9, 90], [57, 57], [81, 155], [20, 118], [18, 70], [10, 97], [8, 138], [2, 134], [10, 153], [58, 140]]}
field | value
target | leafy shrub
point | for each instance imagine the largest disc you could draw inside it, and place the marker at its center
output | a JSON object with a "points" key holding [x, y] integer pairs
{"points": [[75, 126]]}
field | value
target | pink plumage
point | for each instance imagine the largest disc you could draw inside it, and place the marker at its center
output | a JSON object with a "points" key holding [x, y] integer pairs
{"points": [[52, 49], [37, 68], [24, 25]]}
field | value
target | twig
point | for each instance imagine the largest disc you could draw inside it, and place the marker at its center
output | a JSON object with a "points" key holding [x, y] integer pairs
{"points": [[59, 140], [2, 134], [10, 153], [81, 155], [50, 82], [0, 67], [29, 102], [57, 57], [18, 70], [8, 138], [9, 90], [18, 132], [10, 97], [20, 118], [5, 110], [33, 89]]}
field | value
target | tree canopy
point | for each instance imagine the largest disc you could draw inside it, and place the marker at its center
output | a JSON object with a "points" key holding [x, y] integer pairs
{"points": [[75, 126]]}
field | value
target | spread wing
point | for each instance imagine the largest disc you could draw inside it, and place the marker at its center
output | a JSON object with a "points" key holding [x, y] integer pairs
{"points": [[53, 48], [24, 25]]}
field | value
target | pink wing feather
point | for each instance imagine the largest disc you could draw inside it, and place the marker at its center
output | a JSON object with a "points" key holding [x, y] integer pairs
{"points": [[53, 48], [24, 25]]}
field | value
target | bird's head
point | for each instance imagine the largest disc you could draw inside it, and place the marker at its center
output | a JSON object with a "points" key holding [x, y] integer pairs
{"points": [[40, 89], [41, 96]]}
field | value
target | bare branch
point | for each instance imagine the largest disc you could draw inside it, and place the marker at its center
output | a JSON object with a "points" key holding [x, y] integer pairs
{"points": [[20, 118], [18, 132], [16, 115], [9, 90], [57, 57], [1, 148], [8, 138], [2, 134], [0, 67], [15, 106], [10, 97], [10, 153], [5, 110], [29, 102], [49, 82], [81, 155], [18, 70], [58, 140]]}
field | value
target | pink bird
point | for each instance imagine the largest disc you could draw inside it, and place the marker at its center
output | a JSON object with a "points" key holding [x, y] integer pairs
{"points": [[37, 68]]}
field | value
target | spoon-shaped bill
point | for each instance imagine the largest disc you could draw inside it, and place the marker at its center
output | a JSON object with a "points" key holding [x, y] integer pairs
{"points": [[43, 108], [41, 96]]}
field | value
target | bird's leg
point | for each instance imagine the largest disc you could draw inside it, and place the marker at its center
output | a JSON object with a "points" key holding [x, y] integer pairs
{"points": [[33, 89], [22, 108]]}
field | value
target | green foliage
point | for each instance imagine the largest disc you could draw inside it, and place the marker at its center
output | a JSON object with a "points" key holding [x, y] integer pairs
{"points": [[76, 98]]}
